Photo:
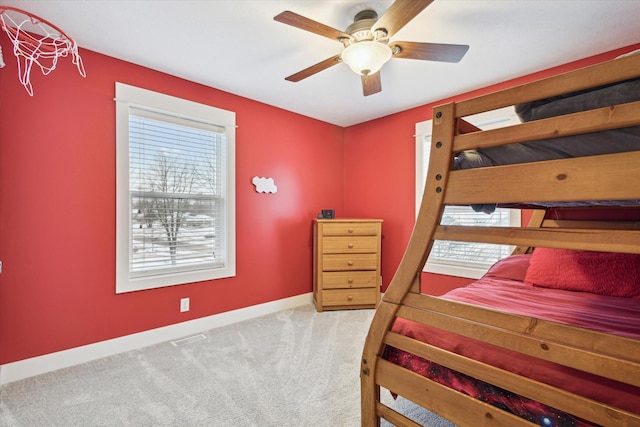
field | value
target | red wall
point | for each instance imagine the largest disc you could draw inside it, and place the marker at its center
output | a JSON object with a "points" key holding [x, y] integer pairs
{"points": [[379, 158], [57, 207]]}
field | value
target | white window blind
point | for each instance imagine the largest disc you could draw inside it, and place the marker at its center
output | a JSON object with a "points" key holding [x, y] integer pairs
{"points": [[175, 197], [480, 255], [464, 259], [175, 182]]}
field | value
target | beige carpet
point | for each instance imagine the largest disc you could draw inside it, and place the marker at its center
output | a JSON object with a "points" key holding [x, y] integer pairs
{"points": [[293, 368]]}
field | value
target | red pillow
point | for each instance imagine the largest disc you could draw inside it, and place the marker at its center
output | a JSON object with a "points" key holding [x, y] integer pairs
{"points": [[604, 273], [513, 267]]}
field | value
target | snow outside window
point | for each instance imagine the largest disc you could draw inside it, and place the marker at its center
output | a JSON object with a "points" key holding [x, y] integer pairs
{"points": [[175, 191], [464, 259]]}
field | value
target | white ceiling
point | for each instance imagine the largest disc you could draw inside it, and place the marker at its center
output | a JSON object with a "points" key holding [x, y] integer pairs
{"points": [[236, 46]]}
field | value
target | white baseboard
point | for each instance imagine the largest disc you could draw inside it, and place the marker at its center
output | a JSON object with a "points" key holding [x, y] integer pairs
{"points": [[22, 369]]}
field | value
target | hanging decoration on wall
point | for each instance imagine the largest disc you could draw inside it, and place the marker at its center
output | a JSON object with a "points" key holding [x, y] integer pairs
{"points": [[264, 185], [36, 41]]}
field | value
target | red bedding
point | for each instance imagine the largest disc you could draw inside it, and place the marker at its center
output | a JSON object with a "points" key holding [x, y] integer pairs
{"points": [[503, 288]]}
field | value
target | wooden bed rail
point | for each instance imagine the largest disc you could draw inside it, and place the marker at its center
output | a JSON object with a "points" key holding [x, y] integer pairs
{"points": [[602, 354], [565, 180], [599, 353], [600, 119], [613, 71], [568, 402], [451, 404], [587, 409], [594, 178], [605, 240]]}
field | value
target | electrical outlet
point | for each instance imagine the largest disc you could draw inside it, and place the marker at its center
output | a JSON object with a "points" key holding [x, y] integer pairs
{"points": [[184, 305]]}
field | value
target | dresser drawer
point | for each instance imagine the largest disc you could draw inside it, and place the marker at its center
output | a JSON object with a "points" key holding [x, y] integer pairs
{"points": [[350, 229], [350, 296], [353, 279], [341, 262], [355, 244]]}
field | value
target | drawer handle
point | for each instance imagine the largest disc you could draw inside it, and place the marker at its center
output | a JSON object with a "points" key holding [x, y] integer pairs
{"points": [[349, 280], [350, 298], [350, 263], [350, 245], [350, 230]]}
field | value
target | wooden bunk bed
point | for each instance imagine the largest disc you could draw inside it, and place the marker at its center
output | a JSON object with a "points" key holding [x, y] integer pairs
{"points": [[601, 354]]}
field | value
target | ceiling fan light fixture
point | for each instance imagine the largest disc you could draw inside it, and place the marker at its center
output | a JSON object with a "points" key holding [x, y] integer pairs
{"points": [[366, 57]]}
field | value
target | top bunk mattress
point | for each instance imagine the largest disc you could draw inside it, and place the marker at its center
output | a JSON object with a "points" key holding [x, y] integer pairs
{"points": [[604, 142], [589, 144]]}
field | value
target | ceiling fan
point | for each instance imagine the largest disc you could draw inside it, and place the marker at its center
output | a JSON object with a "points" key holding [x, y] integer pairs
{"points": [[367, 45]]}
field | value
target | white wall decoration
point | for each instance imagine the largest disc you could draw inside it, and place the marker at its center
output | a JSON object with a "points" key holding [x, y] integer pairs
{"points": [[264, 185]]}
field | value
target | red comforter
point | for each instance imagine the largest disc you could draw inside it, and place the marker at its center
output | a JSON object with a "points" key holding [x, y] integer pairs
{"points": [[498, 289]]}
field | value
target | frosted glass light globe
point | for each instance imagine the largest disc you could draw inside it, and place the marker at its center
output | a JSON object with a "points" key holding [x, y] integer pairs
{"points": [[366, 57]]}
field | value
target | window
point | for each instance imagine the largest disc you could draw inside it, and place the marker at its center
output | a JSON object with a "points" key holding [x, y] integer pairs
{"points": [[175, 190], [464, 259]]}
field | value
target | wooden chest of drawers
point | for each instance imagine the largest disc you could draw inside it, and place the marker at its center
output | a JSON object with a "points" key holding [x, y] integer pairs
{"points": [[346, 263]]}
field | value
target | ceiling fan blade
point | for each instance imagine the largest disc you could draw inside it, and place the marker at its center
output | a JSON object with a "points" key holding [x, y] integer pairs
{"points": [[307, 24], [399, 14], [323, 65], [429, 51], [371, 84]]}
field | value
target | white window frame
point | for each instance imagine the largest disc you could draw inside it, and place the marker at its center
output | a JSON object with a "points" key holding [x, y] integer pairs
{"points": [[129, 98], [489, 120]]}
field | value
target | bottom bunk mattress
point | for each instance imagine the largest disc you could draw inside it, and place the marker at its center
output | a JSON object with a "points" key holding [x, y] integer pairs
{"points": [[528, 285]]}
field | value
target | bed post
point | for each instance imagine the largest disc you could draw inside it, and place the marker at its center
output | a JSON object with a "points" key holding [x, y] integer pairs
{"points": [[413, 261], [536, 220]]}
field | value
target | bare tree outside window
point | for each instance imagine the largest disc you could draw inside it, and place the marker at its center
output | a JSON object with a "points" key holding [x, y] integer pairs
{"points": [[171, 179]]}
